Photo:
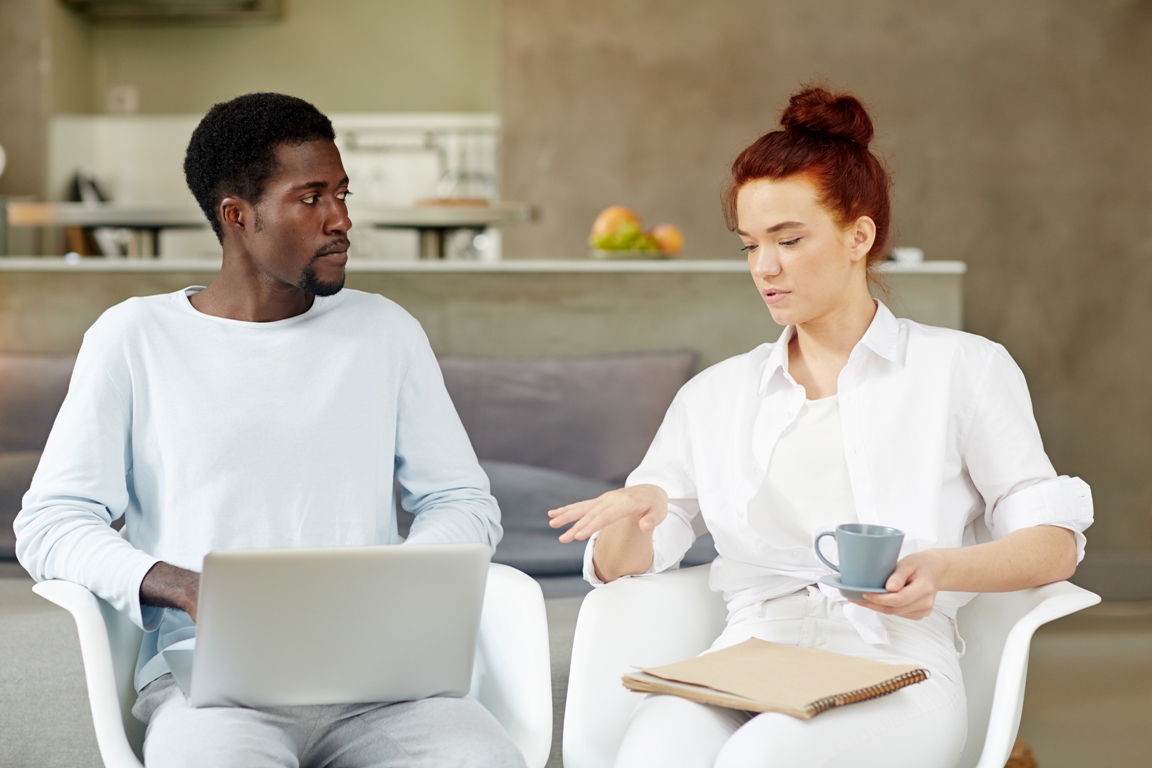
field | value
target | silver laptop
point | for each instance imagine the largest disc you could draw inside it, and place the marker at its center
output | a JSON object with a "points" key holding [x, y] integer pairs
{"points": [[280, 627]]}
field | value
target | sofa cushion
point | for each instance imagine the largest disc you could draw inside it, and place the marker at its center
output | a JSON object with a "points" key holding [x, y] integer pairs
{"points": [[593, 417], [16, 470], [525, 495], [32, 387]]}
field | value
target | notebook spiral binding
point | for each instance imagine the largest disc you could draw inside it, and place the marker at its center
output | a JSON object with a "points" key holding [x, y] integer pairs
{"points": [[871, 692]]}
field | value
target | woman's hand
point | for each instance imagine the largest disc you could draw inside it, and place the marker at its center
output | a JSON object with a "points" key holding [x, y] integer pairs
{"points": [[1025, 558], [646, 504], [912, 587]]}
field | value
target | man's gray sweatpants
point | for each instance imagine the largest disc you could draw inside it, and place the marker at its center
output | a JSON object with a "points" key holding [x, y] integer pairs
{"points": [[439, 732]]}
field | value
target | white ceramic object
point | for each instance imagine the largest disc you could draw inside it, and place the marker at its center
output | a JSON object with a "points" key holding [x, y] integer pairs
{"points": [[908, 255]]}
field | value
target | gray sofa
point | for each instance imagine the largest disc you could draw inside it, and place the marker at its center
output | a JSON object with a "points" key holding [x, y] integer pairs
{"points": [[548, 433], [32, 387]]}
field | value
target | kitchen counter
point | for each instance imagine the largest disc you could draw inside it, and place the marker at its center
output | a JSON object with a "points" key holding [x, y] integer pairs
{"points": [[516, 309], [97, 264]]}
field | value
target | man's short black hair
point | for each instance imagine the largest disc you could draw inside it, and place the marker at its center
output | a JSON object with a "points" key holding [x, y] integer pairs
{"points": [[232, 151]]}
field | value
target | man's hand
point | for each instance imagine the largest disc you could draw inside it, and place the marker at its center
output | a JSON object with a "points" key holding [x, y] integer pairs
{"points": [[912, 587], [646, 504], [167, 586]]}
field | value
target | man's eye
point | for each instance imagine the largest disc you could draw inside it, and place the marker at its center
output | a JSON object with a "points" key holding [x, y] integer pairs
{"points": [[343, 195], [309, 200]]}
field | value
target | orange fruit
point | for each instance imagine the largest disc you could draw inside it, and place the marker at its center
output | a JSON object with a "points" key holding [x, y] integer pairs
{"points": [[669, 238], [611, 218]]}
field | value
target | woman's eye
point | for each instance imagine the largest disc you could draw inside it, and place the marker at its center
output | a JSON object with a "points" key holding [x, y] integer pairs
{"points": [[749, 247], [789, 243]]}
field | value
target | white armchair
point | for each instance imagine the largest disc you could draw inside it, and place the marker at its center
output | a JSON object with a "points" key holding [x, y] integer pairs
{"points": [[511, 678], [653, 620]]}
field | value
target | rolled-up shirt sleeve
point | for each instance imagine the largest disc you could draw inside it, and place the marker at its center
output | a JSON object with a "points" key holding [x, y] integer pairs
{"points": [[1005, 458], [668, 464]]}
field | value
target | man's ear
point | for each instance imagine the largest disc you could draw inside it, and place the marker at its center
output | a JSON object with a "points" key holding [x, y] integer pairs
{"points": [[236, 214]]}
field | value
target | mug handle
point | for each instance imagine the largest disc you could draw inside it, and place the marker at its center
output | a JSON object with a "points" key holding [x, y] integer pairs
{"points": [[819, 554]]}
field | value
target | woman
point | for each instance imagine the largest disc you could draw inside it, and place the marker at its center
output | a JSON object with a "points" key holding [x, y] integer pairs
{"points": [[851, 416]]}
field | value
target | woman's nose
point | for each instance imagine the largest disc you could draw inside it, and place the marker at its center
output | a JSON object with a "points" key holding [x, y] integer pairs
{"points": [[764, 263]]}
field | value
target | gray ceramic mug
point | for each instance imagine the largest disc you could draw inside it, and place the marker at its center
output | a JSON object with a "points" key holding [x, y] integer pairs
{"points": [[868, 553]]}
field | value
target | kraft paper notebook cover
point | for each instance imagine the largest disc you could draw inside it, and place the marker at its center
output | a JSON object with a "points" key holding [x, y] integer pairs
{"points": [[759, 676]]}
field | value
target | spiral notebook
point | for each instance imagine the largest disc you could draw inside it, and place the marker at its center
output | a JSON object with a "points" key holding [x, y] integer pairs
{"points": [[759, 676]]}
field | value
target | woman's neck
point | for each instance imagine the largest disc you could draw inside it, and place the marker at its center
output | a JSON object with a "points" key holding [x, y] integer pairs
{"points": [[819, 349]]}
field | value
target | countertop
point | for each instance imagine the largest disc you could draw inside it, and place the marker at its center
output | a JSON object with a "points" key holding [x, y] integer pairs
{"points": [[714, 266]]}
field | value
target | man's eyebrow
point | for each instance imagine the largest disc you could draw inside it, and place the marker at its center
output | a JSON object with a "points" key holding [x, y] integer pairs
{"points": [[776, 228], [320, 184]]}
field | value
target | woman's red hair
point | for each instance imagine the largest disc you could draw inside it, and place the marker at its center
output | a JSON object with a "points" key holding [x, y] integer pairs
{"points": [[824, 137]]}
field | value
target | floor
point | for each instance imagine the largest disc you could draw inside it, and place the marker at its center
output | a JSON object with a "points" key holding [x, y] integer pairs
{"points": [[1089, 700]]}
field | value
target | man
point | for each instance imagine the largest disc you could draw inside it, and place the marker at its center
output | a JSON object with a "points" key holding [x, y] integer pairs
{"points": [[270, 409]]}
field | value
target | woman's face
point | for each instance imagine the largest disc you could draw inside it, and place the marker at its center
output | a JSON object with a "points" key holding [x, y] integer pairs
{"points": [[806, 266]]}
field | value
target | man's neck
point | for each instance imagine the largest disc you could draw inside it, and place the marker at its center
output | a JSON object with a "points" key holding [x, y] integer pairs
{"points": [[241, 292]]}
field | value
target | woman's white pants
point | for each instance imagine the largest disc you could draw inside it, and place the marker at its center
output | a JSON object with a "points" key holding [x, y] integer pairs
{"points": [[921, 726]]}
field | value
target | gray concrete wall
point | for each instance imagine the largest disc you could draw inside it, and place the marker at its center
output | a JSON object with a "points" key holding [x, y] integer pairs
{"points": [[1019, 135], [23, 94], [343, 55]]}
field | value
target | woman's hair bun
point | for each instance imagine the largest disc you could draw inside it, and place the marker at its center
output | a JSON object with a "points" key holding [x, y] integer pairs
{"points": [[838, 116]]}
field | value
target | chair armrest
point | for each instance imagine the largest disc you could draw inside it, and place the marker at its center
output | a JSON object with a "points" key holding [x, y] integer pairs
{"points": [[640, 621], [1038, 607], [99, 641], [512, 676]]}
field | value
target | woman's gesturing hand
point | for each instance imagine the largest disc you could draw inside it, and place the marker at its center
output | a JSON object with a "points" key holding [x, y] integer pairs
{"points": [[912, 587], [647, 504]]}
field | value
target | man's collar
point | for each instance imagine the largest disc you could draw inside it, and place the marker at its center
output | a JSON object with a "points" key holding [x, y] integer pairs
{"points": [[882, 338]]}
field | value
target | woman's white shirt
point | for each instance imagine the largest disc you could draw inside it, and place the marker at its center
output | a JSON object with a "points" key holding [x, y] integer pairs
{"points": [[938, 434], [806, 488]]}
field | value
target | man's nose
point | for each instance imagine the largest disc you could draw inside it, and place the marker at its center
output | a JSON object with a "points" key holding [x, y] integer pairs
{"points": [[337, 221]]}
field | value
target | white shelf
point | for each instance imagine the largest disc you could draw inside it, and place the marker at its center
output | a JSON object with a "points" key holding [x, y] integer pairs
{"points": [[717, 266]]}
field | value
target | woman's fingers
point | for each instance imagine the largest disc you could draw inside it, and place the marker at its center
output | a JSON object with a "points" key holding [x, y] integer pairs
{"points": [[597, 518], [565, 515], [588, 517], [915, 600], [587, 526]]}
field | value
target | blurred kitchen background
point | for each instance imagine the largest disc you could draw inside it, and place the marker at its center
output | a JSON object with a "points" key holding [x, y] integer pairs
{"points": [[1018, 134]]}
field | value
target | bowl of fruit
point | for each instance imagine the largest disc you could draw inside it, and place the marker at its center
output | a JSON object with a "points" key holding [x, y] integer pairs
{"points": [[618, 233]]}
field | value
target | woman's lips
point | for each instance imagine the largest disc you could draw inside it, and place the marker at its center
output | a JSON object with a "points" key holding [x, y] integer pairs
{"points": [[775, 297]]}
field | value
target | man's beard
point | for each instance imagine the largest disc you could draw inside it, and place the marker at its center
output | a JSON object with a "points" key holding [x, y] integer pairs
{"points": [[310, 283]]}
